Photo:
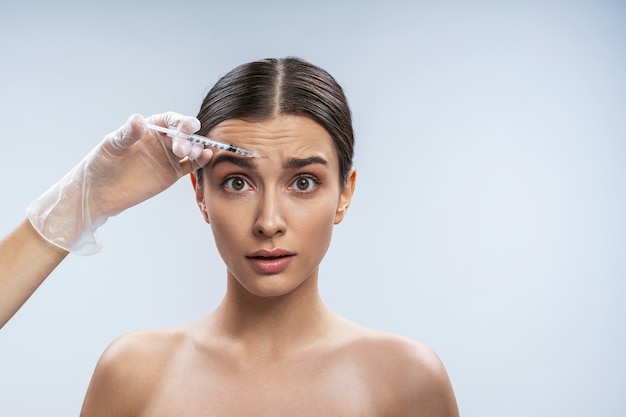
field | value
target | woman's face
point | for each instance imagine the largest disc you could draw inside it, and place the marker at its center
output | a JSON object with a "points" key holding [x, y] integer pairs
{"points": [[272, 217]]}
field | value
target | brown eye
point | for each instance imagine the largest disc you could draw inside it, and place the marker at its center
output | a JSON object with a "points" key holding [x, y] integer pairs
{"points": [[304, 184], [236, 184]]}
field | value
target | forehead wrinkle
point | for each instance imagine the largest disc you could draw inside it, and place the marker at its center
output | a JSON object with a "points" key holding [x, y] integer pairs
{"points": [[235, 160], [294, 163]]}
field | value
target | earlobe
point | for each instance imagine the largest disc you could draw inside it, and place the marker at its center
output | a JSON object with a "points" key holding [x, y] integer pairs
{"points": [[199, 196], [346, 196]]}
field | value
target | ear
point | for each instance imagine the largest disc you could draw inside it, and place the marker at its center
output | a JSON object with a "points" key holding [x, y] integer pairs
{"points": [[346, 196], [199, 196]]}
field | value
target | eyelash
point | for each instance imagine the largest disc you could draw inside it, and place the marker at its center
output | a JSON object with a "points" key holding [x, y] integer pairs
{"points": [[226, 183], [312, 178]]}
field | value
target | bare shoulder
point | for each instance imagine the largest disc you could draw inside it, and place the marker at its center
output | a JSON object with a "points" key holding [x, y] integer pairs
{"points": [[130, 371], [415, 380]]}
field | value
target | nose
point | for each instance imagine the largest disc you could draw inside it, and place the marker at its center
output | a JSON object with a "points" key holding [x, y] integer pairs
{"points": [[270, 221]]}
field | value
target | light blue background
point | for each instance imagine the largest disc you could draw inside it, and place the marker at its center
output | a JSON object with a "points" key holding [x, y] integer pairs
{"points": [[489, 219]]}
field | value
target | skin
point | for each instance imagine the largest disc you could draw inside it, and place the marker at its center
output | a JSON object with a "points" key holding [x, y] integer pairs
{"points": [[26, 260], [271, 347]]}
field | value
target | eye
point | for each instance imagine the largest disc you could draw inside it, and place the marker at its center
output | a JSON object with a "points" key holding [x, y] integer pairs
{"points": [[304, 183], [236, 184]]}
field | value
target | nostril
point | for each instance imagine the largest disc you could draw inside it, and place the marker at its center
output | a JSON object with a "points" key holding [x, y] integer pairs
{"points": [[269, 221], [269, 231]]}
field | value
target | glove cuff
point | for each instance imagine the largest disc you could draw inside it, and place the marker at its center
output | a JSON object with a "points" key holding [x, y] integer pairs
{"points": [[61, 216]]}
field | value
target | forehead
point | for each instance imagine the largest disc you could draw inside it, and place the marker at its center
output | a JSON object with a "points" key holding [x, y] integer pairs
{"points": [[282, 137]]}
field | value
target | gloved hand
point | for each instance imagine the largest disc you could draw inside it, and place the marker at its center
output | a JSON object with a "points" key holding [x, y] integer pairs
{"points": [[129, 166]]}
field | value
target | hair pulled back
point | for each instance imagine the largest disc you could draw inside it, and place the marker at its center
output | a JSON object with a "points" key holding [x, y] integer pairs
{"points": [[261, 90]]}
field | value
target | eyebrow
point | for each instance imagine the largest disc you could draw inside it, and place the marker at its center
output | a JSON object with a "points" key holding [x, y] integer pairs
{"points": [[292, 163], [242, 162]]}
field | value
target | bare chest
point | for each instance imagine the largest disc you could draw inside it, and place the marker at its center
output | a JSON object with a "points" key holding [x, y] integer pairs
{"points": [[302, 388]]}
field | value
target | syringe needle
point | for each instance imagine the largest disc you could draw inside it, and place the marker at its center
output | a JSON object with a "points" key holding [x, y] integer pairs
{"points": [[204, 140]]}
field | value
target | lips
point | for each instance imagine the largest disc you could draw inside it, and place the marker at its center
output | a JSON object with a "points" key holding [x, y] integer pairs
{"points": [[270, 261]]}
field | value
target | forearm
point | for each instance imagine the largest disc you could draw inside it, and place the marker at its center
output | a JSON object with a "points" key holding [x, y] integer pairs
{"points": [[129, 166], [26, 260]]}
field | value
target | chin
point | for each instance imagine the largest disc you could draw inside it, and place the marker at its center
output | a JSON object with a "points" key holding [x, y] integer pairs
{"points": [[271, 286]]}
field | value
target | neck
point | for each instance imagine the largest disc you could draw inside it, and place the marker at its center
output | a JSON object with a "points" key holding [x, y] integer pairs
{"points": [[270, 326]]}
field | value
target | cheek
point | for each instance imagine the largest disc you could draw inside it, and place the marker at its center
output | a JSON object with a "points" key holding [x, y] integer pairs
{"points": [[313, 219], [314, 214], [227, 237], [229, 223]]}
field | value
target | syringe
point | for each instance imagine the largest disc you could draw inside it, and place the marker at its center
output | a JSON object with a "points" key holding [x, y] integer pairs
{"points": [[204, 140]]}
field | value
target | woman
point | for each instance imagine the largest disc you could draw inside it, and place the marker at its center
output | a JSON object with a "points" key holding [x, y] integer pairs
{"points": [[271, 347]]}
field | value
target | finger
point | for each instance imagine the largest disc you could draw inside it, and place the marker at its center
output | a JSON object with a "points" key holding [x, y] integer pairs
{"points": [[181, 147], [186, 166], [186, 124], [196, 150], [203, 159], [190, 125], [129, 133]]}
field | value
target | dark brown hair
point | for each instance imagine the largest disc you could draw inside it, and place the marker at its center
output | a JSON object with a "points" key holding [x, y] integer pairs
{"points": [[260, 90]]}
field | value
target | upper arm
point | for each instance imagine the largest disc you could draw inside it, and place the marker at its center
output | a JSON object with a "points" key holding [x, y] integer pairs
{"points": [[410, 380], [428, 391], [121, 382]]}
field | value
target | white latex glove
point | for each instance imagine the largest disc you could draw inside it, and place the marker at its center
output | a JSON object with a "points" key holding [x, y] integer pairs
{"points": [[129, 166]]}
